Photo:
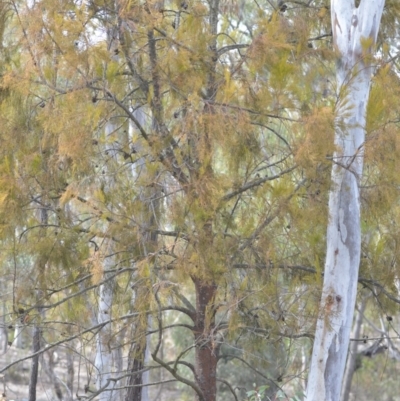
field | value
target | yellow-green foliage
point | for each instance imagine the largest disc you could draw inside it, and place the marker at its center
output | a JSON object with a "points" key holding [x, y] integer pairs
{"points": [[137, 135]]}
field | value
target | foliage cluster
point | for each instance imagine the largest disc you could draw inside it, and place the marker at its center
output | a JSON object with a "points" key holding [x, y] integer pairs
{"points": [[181, 151]]}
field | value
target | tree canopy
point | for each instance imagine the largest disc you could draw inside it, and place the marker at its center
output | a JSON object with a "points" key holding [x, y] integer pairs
{"points": [[165, 172]]}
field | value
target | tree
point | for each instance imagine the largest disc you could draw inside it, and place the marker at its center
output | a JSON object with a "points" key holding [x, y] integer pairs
{"points": [[355, 30], [203, 176], [207, 198]]}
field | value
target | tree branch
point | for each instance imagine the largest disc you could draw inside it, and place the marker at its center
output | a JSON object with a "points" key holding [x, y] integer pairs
{"points": [[256, 183], [229, 386], [362, 280], [227, 48], [52, 345]]}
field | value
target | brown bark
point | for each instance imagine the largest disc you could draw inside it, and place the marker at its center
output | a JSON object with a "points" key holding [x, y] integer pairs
{"points": [[35, 364], [134, 381], [37, 331], [206, 351]]}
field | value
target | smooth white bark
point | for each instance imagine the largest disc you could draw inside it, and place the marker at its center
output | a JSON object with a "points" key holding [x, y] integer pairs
{"points": [[354, 34], [103, 359]]}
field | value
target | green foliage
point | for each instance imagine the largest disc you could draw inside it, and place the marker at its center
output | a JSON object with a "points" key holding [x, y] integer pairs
{"points": [[257, 394]]}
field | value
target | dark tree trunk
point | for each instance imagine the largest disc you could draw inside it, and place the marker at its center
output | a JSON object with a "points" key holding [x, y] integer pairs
{"points": [[134, 381], [35, 364], [37, 331], [206, 351]]}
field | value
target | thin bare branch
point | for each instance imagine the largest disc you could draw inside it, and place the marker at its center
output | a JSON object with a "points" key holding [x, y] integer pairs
{"points": [[256, 183]]}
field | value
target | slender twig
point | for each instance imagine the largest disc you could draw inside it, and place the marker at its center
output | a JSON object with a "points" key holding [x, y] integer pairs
{"points": [[173, 372], [325, 35], [256, 183], [256, 371], [307, 269], [229, 386], [251, 111], [273, 131], [52, 345], [227, 48]]}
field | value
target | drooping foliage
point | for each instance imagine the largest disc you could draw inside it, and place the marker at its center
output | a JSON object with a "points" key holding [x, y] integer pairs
{"points": [[205, 203]]}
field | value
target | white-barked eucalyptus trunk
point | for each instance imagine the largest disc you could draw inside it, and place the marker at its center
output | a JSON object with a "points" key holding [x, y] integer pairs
{"points": [[104, 355], [355, 31], [103, 359]]}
